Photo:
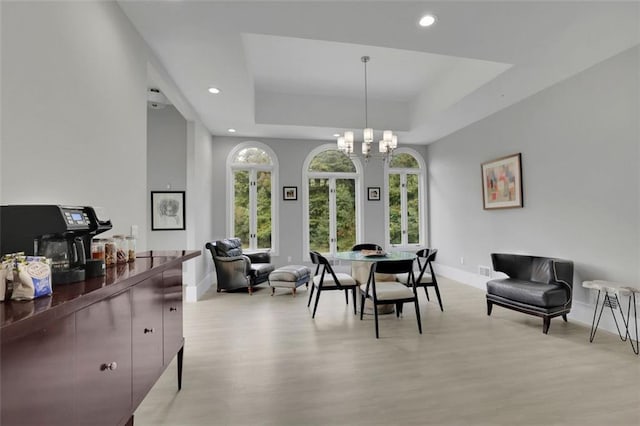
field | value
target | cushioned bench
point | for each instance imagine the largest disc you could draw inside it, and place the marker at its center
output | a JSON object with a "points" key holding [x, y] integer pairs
{"points": [[289, 276], [539, 286]]}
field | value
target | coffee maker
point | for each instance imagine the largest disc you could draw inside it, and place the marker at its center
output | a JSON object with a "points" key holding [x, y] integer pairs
{"points": [[61, 233]]}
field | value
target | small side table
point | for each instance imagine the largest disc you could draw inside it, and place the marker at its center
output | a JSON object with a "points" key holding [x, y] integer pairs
{"points": [[612, 293]]}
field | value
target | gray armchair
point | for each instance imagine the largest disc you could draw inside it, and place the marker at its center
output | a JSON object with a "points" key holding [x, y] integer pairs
{"points": [[236, 269]]}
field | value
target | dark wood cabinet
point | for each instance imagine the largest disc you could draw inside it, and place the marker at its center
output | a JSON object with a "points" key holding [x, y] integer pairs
{"points": [[146, 335], [90, 353], [172, 314], [33, 368], [103, 361]]}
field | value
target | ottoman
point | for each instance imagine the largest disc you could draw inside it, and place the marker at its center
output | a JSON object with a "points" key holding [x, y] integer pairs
{"points": [[290, 276]]}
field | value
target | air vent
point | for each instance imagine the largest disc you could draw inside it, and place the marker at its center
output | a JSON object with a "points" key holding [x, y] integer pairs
{"points": [[485, 271]]}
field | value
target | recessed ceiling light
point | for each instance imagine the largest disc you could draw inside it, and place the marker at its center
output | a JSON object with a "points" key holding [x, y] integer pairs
{"points": [[232, 130], [214, 90], [336, 135], [427, 20]]}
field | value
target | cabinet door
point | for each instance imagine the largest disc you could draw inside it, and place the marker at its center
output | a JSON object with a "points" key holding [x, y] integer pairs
{"points": [[146, 318], [103, 368], [37, 376], [172, 315]]}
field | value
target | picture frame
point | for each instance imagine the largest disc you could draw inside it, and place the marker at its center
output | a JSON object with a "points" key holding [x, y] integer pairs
{"points": [[373, 193], [168, 211], [502, 183], [289, 193]]}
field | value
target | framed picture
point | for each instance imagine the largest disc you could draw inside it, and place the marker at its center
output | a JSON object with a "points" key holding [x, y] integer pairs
{"points": [[373, 193], [167, 210], [289, 193], [502, 183]]}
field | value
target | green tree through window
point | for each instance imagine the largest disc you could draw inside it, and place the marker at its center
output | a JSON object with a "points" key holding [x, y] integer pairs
{"points": [[332, 202], [252, 170], [404, 210]]}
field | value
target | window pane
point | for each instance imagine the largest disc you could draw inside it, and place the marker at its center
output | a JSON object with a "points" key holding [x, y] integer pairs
{"points": [[332, 161], [413, 218], [252, 156], [395, 218], [263, 193], [319, 215], [346, 213], [404, 160], [241, 205]]}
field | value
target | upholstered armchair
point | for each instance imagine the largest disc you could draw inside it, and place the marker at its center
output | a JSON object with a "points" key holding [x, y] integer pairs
{"points": [[236, 269]]}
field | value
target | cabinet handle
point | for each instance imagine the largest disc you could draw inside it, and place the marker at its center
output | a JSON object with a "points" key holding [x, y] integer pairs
{"points": [[171, 309], [111, 366], [148, 330]]}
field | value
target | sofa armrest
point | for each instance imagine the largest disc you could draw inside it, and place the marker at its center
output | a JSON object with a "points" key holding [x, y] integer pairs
{"points": [[259, 257], [232, 271]]}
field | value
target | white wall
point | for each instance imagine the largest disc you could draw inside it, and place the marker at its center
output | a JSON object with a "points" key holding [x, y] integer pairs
{"points": [[580, 148], [74, 109], [166, 168], [291, 155], [74, 115]]}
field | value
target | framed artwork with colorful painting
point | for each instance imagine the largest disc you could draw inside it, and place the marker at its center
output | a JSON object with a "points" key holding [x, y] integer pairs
{"points": [[502, 183]]}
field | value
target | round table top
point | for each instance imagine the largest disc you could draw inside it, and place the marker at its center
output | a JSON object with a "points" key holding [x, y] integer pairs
{"points": [[610, 286], [358, 256]]}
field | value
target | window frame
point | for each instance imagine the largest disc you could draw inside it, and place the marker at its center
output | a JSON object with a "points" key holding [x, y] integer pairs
{"points": [[275, 194], [306, 175], [421, 172]]}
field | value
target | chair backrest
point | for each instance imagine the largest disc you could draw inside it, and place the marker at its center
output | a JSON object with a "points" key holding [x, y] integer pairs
{"points": [[534, 268], [425, 257], [322, 262], [366, 246], [229, 247], [389, 267]]}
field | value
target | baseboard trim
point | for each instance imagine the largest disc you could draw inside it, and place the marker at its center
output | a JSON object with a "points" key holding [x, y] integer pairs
{"points": [[580, 311], [193, 293]]}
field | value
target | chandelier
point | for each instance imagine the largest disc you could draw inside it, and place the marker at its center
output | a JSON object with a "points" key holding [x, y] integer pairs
{"points": [[387, 144]]}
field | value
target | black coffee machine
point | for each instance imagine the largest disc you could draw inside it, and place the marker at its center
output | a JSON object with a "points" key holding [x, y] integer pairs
{"points": [[61, 233]]}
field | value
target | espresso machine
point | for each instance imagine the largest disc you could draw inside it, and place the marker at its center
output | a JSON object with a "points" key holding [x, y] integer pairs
{"points": [[61, 233]]}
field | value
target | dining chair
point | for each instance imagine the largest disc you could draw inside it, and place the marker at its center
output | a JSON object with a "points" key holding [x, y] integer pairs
{"points": [[326, 279], [425, 277], [382, 292]]}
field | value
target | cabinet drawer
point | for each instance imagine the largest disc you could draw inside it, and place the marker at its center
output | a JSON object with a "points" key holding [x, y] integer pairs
{"points": [[103, 361]]}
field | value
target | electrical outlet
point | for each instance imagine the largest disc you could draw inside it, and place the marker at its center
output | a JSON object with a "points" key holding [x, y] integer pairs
{"points": [[134, 230], [462, 260], [289, 259]]}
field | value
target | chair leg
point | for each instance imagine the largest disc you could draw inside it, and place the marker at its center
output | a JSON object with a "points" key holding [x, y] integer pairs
{"points": [[315, 306], [362, 298], [438, 296], [346, 297], [398, 310], [418, 315], [489, 307], [353, 291], [427, 293], [564, 317], [546, 322], [375, 315], [310, 295]]}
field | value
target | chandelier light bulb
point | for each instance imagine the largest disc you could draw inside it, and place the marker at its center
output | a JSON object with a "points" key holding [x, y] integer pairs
{"points": [[368, 135]]}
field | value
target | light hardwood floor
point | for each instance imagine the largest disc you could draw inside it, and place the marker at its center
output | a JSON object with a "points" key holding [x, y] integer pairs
{"points": [[262, 360]]}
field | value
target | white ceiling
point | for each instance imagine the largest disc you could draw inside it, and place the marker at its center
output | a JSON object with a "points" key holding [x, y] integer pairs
{"points": [[292, 69]]}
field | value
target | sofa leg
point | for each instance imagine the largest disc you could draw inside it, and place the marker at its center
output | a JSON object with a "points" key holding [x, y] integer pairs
{"points": [[546, 322], [489, 307], [219, 290], [564, 317], [250, 291]]}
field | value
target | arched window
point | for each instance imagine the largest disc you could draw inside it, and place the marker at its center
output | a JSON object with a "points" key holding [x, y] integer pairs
{"points": [[405, 203], [252, 169], [332, 201]]}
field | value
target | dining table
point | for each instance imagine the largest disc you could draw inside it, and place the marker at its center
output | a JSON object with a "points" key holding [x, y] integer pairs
{"points": [[361, 262]]}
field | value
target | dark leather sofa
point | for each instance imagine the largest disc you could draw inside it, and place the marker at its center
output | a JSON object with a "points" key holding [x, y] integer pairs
{"points": [[236, 269], [539, 286]]}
